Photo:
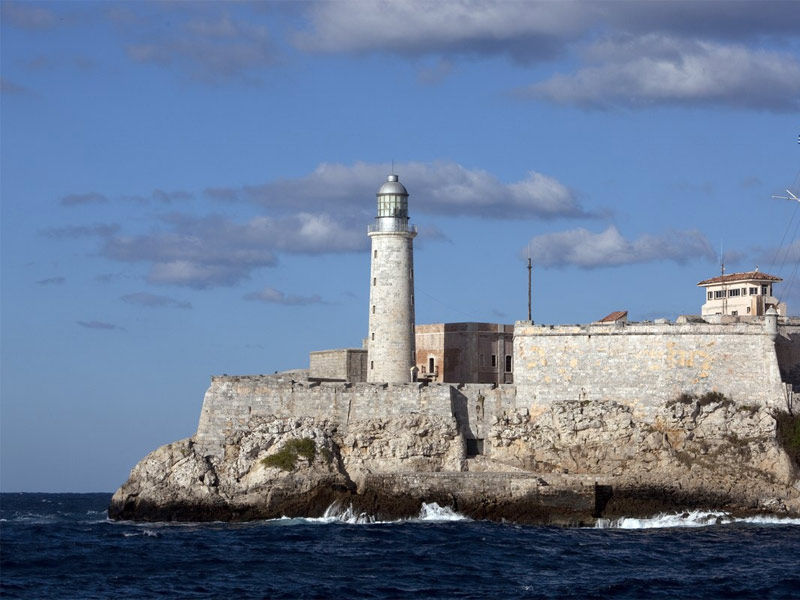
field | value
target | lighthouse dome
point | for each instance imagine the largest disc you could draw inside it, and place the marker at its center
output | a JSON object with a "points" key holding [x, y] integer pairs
{"points": [[392, 186]]}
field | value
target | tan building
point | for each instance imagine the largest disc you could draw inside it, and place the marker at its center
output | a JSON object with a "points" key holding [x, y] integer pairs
{"points": [[465, 352], [741, 294]]}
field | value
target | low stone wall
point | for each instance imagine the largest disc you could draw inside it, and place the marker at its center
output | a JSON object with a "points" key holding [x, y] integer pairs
{"points": [[231, 401]]}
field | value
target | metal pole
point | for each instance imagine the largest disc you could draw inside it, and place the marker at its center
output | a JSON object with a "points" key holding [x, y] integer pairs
{"points": [[529, 288]]}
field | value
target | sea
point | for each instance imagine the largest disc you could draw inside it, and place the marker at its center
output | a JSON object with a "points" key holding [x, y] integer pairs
{"points": [[64, 546]]}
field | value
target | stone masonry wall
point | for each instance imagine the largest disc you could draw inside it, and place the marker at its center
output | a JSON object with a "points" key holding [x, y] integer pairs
{"points": [[347, 364], [231, 401], [787, 347], [645, 365]]}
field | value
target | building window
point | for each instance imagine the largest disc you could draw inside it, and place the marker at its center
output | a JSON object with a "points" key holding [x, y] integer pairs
{"points": [[719, 294], [494, 360], [508, 363], [754, 291], [734, 292], [744, 291], [748, 310], [710, 295], [764, 290], [373, 335], [371, 364], [374, 254], [431, 365], [734, 313]]}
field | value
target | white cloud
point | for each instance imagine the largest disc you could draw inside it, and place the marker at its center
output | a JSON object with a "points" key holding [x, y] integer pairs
{"points": [[27, 15], [214, 251], [437, 188], [527, 30], [99, 325], [81, 231], [659, 70], [587, 250], [154, 300], [270, 295], [530, 28], [209, 49], [88, 198]]}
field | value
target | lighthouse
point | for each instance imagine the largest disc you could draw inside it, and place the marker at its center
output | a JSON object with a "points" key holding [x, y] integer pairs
{"points": [[390, 343]]}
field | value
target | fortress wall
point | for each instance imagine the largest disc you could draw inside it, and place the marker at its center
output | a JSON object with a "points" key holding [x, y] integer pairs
{"points": [[787, 347], [645, 365], [474, 405], [231, 401]]}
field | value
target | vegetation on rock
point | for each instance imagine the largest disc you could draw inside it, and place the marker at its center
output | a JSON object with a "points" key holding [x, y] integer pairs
{"points": [[789, 435], [704, 400], [286, 457]]}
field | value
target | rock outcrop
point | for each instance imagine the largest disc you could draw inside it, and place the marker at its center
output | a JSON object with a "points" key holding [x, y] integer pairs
{"points": [[568, 462]]}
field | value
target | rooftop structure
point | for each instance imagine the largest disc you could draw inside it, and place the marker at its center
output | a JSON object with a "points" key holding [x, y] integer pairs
{"points": [[741, 294]]}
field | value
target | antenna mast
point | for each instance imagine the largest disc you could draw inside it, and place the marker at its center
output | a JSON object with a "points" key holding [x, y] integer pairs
{"points": [[530, 268]]}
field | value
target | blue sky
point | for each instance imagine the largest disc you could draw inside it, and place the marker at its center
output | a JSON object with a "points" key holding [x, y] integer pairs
{"points": [[186, 187]]}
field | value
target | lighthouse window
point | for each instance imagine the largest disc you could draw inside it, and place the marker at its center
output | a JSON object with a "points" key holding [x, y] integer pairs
{"points": [[431, 365], [374, 254], [371, 364], [373, 309], [374, 281], [373, 335]]}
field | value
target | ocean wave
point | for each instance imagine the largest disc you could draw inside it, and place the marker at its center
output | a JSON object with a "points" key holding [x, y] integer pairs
{"points": [[434, 512], [695, 518], [337, 513], [142, 533]]}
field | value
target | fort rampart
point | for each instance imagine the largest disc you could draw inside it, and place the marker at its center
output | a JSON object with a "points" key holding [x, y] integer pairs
{"points": [[647, 365], [642, 365]]}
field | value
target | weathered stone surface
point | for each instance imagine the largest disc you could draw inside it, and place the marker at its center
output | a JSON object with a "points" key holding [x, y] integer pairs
{"points": [[566, 463], [176, 482]]}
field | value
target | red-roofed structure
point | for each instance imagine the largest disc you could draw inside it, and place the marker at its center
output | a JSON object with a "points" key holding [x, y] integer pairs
{"points": [[741, 294]]}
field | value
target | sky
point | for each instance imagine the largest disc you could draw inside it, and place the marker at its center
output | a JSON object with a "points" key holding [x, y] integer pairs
{"points": [[186, 187]]}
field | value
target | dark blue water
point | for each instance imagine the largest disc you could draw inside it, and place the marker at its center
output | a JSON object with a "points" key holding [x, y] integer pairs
{"points": [[62, 546]]}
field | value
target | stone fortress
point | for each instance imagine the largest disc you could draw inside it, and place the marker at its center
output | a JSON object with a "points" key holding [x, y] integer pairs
{"points": [[530, 422], [643, 365]]}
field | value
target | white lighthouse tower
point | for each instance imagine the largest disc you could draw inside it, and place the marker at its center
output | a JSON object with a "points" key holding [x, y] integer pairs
{"points": [[390, 343]]}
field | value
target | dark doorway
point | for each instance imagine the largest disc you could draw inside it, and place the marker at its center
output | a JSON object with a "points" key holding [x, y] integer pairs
{"points": [[474, 447]]}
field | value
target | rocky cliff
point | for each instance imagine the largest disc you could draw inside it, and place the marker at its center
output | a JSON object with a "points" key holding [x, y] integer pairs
{"points": [[567, 462]]}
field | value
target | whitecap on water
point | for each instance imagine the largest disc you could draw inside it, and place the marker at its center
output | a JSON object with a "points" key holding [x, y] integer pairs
{"points": [[337, 513], [695, 518], [434, 512]]}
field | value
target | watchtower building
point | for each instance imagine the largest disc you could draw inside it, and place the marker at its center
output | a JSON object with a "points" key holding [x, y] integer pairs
{"points": [[390, 341]]}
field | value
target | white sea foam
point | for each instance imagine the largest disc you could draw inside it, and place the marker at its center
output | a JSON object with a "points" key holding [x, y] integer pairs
{"points": [[434, 512], [143, 532], [695, 518], [337, 513]]}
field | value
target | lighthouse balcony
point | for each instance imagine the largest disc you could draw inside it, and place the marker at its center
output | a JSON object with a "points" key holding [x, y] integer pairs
{"points": [[391, 225]]}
